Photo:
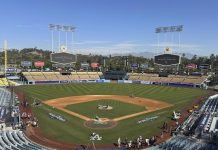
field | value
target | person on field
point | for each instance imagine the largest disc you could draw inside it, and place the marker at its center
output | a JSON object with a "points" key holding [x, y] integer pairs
{"points": [[119, 142]]}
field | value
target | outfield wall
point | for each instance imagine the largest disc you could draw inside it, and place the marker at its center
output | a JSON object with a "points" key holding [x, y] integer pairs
{"points": [[118, 81]]}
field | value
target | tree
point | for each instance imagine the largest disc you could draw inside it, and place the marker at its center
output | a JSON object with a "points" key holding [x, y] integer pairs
{"points": [[212, 60], [194, 59]]}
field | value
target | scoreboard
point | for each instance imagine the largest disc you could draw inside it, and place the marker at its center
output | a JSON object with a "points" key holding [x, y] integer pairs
{"points": [[167, 59], [63, 58]]}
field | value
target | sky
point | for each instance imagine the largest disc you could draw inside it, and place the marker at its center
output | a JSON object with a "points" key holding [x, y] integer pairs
{"points": [[111, 26]]}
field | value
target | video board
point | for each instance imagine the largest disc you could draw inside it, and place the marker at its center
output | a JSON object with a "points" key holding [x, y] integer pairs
{"points": [[167, 59], [63, 58]]}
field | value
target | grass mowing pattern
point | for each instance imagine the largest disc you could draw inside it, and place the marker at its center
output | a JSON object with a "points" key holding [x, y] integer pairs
{"points": [[73, 130], [90, 109]]}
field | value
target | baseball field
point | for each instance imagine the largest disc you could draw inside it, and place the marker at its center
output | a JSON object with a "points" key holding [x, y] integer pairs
{"points": [[130, 103]]}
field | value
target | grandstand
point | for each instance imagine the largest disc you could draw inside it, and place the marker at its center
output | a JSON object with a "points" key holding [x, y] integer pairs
{"points": [[74, 76], [4, 97], [16, 140], [48, 76], [200, 128], [170, 80], [185, 143], [57, 77], [11, 138], [5, 82], [83, 75]]}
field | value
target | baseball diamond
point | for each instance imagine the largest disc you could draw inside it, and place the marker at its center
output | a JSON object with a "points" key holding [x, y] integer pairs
{"points": [[152, 100]]}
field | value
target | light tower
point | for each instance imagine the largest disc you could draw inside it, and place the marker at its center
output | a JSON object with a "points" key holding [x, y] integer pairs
{"points": [[169, 29], [61, 28], [52, 28]]}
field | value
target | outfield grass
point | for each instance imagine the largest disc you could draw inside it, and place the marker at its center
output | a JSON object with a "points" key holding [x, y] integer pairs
{"points": [[90, 109], [73, 130]]}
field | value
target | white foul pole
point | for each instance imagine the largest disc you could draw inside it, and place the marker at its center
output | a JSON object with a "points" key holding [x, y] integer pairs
{"points": [[6, 57]]}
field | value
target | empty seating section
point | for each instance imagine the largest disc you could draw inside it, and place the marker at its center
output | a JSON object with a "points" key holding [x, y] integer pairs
{"points": [[144, 77], [83, 75], [60, 76], [182, 142], [5, 97], [28, 76], [57, 76], [169, 79], [16, 140], [74, 76], [37, 75], [6, 82], [100, 73], [50, 76], [133, 76], [177, 79], [154, 79], [195, 80], [93, 75], [165, 79]]}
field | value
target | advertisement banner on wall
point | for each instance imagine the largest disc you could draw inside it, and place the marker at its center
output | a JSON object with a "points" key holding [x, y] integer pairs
{"points": [[26, 63], [145, 82], [144, 66], [39, 64], [127, 81], [95, 65], [84, 65], [135, 66], [191, 66], [204, 66]]}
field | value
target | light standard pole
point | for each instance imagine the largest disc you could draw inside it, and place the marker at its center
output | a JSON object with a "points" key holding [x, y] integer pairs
{"points": [[52, 27], [59, 27]]}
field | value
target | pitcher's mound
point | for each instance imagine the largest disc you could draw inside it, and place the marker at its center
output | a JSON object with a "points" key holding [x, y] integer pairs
{"points": [[104, 107], [101, 123]]}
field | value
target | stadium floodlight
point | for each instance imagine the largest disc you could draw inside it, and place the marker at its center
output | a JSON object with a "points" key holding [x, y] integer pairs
{"points": [[169, 29], [178, 28], [58, 27], [72, 29], [65, 28], [61, 28], [51, 26]]}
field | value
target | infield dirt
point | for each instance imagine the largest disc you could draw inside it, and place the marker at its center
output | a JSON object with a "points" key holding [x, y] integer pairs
{"points": [[149, 104]]}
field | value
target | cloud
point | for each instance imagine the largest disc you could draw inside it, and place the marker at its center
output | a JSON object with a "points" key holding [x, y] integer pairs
{"points": [[127, 45], [184, 48], [91, 42], [123, 47], [107, 48]]}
